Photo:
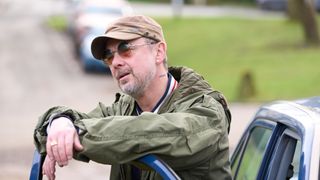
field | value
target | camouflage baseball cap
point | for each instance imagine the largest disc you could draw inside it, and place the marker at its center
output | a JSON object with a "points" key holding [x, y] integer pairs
{"points": [[127, 28]]}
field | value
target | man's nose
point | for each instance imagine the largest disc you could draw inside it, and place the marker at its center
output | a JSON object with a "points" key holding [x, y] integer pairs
{"points": [[117, 60]]}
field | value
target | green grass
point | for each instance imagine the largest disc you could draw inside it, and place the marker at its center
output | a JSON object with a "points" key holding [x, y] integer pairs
{"points": [[222, 49], [57, 22]]}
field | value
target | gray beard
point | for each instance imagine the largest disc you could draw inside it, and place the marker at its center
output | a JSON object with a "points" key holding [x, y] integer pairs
{"points": [[137, 89]]}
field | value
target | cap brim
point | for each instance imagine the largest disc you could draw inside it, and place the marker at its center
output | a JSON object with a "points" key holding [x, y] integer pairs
{"points": [[99, 43]]}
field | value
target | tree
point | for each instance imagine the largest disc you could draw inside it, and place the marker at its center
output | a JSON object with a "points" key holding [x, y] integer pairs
{"points": [[304, 12]]}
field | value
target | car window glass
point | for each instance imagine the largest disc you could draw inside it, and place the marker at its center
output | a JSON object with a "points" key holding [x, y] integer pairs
{"points": [[296, 161], [234, 165], [253, 153]]}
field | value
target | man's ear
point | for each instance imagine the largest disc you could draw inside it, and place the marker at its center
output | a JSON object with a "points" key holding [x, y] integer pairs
{"points": [[161, 52]]}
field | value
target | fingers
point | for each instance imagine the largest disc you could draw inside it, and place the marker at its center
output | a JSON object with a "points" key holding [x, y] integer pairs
{"points": [[56, 143], [62, 140], [59, 149], [49, 150], [77, 145], [49, 168], [55, 153], [69, 146], [62, 156]]}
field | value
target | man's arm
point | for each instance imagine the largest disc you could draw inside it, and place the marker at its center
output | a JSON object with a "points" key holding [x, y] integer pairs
{"points": [[198, 126], [121, 139]]}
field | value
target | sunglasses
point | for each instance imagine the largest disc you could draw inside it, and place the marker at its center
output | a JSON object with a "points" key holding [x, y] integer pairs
{"points": [[124, 50]]}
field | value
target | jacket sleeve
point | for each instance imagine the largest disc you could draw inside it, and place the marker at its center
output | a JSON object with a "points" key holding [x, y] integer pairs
{"points": [[193, 128], [40, 132]]}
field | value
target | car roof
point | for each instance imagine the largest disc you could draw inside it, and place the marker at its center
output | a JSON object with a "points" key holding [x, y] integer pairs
{"points": [[312, 103], [302, 114]]}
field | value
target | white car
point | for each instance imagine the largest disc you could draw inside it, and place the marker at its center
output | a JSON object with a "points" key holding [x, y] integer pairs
{"points": [[94, 14], [281, 142]]}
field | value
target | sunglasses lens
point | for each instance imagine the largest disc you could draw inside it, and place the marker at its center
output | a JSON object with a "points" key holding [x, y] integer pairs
{"points": [[108, 56], [124, 49]]}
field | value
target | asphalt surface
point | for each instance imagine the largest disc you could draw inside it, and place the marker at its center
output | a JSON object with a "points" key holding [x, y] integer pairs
{"points": [[38, 70]]}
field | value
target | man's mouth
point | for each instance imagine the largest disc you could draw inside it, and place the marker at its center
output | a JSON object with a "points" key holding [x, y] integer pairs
{"points": [[122, 75]]}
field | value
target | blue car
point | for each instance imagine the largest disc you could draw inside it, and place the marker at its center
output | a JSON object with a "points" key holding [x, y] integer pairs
{"points": [[282, 142], [89, 63]]}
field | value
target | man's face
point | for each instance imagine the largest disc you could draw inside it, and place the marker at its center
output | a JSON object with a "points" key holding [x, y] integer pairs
{"points": [[133, 69]]}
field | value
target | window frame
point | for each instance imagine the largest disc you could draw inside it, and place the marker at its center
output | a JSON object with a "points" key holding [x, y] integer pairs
{"points": [[286, 139]]}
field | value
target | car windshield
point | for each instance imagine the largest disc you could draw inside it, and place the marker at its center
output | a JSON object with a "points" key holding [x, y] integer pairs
{"points": [[103, 10]]}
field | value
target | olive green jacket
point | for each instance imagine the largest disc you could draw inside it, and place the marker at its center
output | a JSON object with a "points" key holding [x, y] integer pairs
{"points": [[190, 132]]}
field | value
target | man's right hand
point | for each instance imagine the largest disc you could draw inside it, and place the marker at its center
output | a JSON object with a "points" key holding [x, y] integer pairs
{"points": [[62, 140]]}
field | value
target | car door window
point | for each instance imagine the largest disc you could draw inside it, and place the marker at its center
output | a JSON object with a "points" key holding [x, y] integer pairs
{"points": [[296, 161], [253, 153], [286, 159]]}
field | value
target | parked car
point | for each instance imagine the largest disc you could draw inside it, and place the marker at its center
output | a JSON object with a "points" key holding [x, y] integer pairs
{"points": [[280, 5], [88, 62], [89, 18], [282, 142]]}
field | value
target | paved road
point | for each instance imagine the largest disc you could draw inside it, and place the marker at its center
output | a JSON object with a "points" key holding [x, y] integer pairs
{"points": [[37, 71]]}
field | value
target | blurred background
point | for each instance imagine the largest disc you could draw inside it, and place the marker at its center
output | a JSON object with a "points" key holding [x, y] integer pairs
{"points": [[254, 51]]}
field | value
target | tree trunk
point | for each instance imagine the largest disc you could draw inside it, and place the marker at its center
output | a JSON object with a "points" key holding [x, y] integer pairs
{"points": [[304, 12], [294, 10], [309, 22]]}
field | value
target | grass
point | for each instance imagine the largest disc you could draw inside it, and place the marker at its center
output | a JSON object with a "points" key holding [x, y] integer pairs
{"points": [[223, 49], [57, 22]]}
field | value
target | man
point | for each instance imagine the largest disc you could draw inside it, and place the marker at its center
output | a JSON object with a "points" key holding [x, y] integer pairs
{"points": [[171, 112]]}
